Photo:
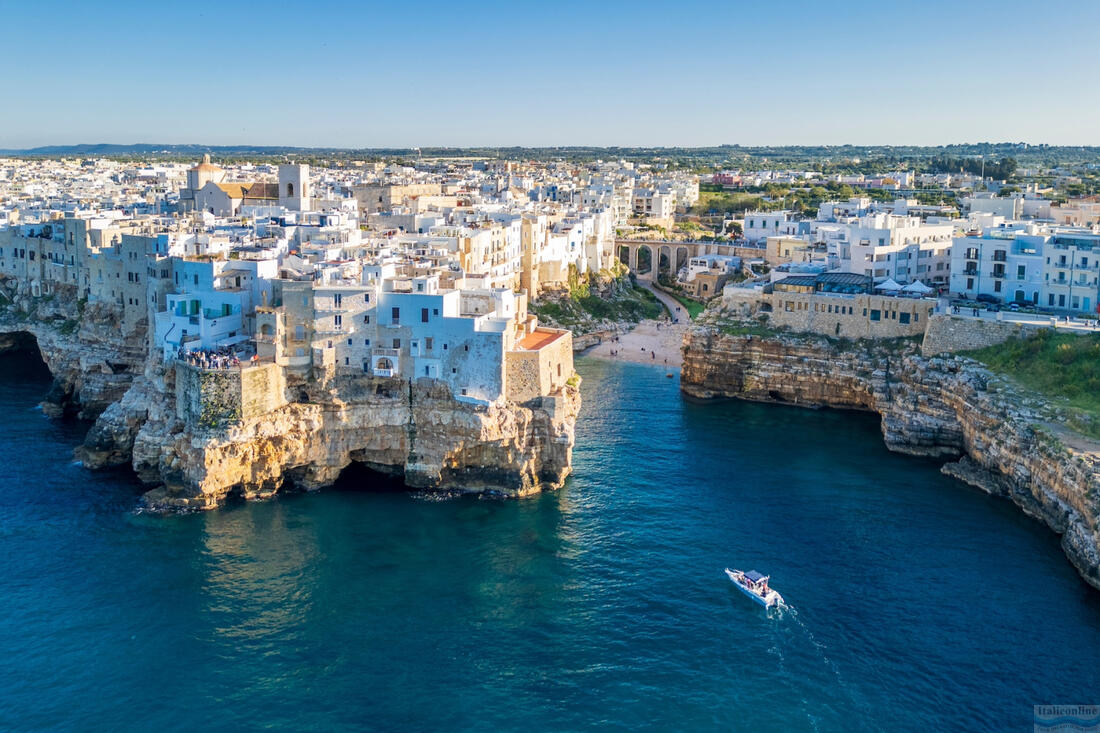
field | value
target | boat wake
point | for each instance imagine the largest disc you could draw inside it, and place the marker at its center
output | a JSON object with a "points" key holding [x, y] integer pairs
{"points": [[793, 628]]}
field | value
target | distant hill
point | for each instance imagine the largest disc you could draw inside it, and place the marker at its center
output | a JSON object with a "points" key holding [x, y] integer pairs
{"points": [[829, 158]]}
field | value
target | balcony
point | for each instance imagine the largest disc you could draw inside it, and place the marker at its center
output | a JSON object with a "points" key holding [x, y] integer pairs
{"points": [[999, 275]]}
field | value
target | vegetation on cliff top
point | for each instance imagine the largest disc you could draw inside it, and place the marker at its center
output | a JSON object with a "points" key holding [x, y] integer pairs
{"points": [[607, 297], [1062, 367]]}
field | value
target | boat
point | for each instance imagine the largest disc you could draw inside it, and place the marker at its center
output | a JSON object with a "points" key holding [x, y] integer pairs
{"points": [[755, 586]]}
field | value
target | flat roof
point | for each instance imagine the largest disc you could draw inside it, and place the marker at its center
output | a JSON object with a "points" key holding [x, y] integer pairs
{"points": [[539, 338]]}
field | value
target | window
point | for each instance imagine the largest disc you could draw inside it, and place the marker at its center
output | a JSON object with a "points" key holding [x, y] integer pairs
{"points": [[299, 332], [366, 342], [423, 315], [366, 319], [338, 320], [903, 318], [397, 343], [337, 300], [969, 283], [435, 311], [1021, 272], [876, 315], [996, 286], [395, 314], [349, 342], [366, 297], [428, 343], [466, 347]]}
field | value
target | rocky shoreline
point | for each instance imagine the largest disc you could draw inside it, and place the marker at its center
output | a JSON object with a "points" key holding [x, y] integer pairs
{"points": [[998, 438], [417, 432]]}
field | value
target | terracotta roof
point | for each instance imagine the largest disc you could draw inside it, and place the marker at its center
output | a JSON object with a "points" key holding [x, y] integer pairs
{"points": [[206, 167], [262, 191], [234, 190], [539, 338]]}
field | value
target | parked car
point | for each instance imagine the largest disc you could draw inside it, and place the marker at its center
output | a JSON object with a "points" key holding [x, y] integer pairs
{"points": [[1014, 306], [987, 298]]}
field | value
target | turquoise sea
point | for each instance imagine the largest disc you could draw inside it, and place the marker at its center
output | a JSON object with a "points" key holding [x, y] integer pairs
{"points": [[917, 603]]}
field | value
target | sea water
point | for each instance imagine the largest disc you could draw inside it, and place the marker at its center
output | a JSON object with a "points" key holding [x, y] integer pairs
{"points": [[915, 602]]}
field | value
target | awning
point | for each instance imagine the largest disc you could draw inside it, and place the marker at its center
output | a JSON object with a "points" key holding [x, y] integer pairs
{"points": [[888, 284]]}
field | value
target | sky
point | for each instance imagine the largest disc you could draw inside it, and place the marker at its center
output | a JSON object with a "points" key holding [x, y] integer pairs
{"points": [[599, 72]]}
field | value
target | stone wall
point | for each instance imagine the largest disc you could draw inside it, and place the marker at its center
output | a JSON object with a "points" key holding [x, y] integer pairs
{"points": [[216, 398], [948, 334], [531, 374], [834, 314]]}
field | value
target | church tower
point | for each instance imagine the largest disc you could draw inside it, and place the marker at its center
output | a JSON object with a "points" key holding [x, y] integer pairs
{"points": [[294, 186]]}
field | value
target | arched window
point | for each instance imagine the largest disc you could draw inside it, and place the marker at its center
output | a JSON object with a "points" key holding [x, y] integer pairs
{"points": [[289, 190]]}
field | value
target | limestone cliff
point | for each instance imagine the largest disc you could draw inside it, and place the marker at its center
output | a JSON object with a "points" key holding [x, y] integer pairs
{"points": [[418, 432], [1008, 442], [92, 358]]}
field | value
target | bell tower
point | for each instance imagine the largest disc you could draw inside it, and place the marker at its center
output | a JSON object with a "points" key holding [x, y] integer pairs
{"points": [[294, 186]]}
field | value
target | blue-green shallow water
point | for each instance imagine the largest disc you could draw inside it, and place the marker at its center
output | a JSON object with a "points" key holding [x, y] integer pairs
{"points": [[919, 604]]}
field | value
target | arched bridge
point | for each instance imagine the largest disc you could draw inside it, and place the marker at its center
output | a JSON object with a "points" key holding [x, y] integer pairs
{"points": [[646, 258]]}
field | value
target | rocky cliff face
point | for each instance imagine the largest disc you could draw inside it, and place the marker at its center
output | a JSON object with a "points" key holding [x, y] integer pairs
{"points": [[416, 432], [93, 361], [1006, 442]]}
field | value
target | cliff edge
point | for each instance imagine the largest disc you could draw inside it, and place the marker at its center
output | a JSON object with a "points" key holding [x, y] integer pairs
{"points": [[1003, 440]]}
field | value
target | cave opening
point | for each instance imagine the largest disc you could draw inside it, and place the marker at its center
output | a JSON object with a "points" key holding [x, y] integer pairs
{"points": [[362, 477], [20, 357]]}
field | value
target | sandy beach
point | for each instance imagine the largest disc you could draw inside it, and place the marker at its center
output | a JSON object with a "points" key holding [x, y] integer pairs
{"points": [[651, 342]]}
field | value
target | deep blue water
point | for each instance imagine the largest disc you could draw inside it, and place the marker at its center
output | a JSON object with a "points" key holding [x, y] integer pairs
{"points": [[917, 603]]}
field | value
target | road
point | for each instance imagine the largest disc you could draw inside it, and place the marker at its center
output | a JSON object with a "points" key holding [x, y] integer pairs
{"points": [[1007, 316], [678, 312]]}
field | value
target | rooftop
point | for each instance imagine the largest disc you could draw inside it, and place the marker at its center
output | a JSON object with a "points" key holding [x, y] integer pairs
{"points": [[539, 338]]}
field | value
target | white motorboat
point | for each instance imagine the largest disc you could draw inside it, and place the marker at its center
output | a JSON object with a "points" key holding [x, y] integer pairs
{"points": [[755, 586]]}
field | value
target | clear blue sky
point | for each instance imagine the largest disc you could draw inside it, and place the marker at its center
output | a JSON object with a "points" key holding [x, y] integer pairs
{"points": [[599, 72]]}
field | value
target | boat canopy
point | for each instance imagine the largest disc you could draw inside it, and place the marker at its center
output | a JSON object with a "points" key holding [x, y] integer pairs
{"points": [[754, 576]]}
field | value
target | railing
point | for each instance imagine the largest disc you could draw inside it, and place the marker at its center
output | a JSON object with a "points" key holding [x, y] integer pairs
{"points": [[386, 352]]}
